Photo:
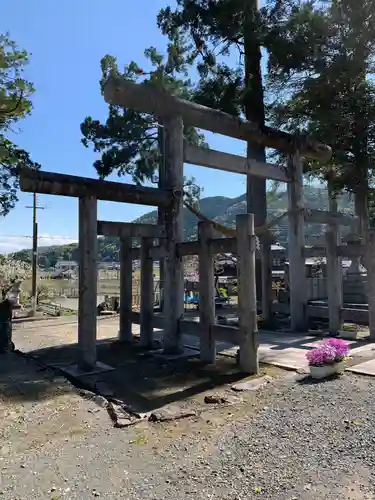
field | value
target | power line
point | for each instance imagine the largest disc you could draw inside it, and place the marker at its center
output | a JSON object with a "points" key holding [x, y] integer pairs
{"points": [[39, 237]]}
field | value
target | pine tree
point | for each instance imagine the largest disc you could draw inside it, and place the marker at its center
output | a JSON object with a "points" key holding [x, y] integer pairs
{"points": [[222, 38], [225, 40], [333, 100], [218, 32], [15, 104], [129, 142]]}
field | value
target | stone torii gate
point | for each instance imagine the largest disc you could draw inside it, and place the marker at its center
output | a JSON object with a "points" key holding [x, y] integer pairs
{"points": [[174, 113], [89, 191]]}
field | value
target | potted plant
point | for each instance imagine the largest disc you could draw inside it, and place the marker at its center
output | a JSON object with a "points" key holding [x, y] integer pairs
{"points": [[328, 358], [353, 332]]}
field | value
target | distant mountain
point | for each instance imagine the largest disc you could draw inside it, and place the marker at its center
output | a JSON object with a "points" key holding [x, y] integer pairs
{"points": [[224, 210], [218, 208]]}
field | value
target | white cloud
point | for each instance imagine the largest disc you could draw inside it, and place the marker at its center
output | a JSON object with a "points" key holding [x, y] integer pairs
{"points": [[13, 243]]}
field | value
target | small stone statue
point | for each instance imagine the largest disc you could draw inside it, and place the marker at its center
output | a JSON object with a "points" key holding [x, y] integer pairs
{"points": [[6, 344], [14, 294]]}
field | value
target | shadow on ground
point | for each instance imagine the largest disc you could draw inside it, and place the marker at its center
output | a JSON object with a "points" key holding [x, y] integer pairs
{"points": [[144, 380], [21, 380]]}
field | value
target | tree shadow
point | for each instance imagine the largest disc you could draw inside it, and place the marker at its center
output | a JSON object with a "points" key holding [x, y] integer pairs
{"points": [[141, 378], [281, 341], [22, 380]]}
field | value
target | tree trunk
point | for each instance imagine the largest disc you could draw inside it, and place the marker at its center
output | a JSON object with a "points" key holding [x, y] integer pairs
{"points": [[361, 206], [256, 188], [361, 187], [360, 144]]}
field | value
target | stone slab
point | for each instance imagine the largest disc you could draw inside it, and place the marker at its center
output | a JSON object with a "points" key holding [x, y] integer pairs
{"points": [[170, 413], [284, 349], [280, 348], [290, 359], [366, 368], [252, 384], [74, 371]]}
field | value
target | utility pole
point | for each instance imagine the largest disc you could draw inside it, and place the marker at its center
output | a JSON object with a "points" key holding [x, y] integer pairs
{"points": [[34, 256]]}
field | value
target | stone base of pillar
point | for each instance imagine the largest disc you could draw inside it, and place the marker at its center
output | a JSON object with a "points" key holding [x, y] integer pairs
{"points": [[186, 352]]}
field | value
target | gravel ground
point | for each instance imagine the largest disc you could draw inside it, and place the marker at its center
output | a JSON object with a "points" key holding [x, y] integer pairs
{"points": [[301, 441], [290, 441]]}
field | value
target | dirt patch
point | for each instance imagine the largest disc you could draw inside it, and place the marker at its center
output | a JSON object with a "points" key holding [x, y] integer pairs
{"points": [[147, 382], [56, 332], [142, 381], [38, 407]]}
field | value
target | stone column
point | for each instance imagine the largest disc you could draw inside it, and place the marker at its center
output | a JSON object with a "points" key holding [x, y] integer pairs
{"points": [[173, 266], [147, 294], [296, 243], [206, 293], [370, 262], [126, 290], [247, 301], [88, 275]]}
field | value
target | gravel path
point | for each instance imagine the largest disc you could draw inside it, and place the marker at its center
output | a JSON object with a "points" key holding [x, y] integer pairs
{"points": [[306, 441], [291, 441]]}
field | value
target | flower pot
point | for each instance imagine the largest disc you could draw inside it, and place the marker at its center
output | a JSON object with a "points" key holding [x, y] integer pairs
{"points": [[359, 335], [348, 335], [319, 372]]}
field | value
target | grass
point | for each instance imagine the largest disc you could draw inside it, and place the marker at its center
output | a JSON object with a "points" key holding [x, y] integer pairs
{"points": [[140, 440], [108, 283]]}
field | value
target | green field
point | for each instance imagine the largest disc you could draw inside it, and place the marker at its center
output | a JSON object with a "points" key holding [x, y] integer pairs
{"points": [[108, 284]]}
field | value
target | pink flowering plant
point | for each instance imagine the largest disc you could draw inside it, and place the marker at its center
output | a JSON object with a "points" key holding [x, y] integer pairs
{"points": [[329, 351]]}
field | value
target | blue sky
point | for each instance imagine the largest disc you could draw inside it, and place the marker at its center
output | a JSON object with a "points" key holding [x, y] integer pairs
{"points": [[66, 41]]}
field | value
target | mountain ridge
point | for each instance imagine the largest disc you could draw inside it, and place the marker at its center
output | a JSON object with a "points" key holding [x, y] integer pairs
{"points": [[222, 209]]}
